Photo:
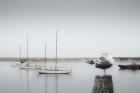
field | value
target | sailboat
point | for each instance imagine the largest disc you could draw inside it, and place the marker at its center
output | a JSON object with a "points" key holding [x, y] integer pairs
{"points": [[27, 65], [21, 61], [55, 70]]}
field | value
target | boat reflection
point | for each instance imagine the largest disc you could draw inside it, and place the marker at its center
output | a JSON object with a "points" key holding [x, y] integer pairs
{"points": [[52, 82], [27, 81], [103, 84], [45, 83]]}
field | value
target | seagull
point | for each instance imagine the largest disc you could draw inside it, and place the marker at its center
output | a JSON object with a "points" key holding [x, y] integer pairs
{"points": [[103, 62]]}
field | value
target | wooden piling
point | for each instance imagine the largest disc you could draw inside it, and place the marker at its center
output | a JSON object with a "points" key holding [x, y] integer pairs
{"points": [[103, 84]]}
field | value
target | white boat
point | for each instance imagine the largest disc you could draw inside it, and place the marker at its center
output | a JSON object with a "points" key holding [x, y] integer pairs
{"points": [[18, 64], [27, 65], [30, 66], [54, 70], [57, 70], [21, 60]]}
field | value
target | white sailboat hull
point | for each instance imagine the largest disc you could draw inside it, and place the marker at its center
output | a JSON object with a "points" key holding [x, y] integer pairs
{"points": [[29, 67], [18, 65], [54, 71]]}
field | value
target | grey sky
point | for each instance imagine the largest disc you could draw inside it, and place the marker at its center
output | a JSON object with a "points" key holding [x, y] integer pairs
{"points": [[86, 27]]}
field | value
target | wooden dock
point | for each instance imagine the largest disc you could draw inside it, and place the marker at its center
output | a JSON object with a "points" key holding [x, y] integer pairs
{"points": [[103, 84]]}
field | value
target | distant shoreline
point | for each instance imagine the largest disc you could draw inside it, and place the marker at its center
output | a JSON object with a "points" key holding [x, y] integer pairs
{"points": [[67, 59]]}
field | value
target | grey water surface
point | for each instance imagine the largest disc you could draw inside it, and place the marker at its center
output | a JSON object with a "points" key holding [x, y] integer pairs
{"points": [[81, 80]]}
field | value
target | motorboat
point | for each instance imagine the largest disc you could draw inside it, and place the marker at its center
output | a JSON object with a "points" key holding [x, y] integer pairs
{"points": [[91, 62]]}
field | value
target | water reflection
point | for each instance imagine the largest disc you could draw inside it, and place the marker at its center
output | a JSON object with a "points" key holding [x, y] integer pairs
{"points": [[56, 77], [53, 83], [45, 83], [103, 84], [27, 81]]}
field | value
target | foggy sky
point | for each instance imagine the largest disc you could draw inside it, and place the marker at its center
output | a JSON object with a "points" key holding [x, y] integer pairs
{"points": [[86, 27]]}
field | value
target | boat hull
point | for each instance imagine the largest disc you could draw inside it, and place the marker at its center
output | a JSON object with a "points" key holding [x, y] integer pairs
{"points": [[18, 65], [133, 67], [91, 62], [29, 67], [54, 72]]}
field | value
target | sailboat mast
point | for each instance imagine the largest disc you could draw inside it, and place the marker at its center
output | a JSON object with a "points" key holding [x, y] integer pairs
{"points": [[56, 50], [20, 53], [45, 55], [27, 48]]}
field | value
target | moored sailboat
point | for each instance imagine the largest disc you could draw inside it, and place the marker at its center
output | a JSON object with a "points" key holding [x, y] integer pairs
{"points": [[56, 69], [27, 65], [21, 60]]}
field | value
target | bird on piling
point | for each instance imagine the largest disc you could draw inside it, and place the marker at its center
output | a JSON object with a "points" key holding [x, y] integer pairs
{"points": [[104, 62]]}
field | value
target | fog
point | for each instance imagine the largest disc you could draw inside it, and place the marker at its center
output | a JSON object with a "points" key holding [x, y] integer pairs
{"points": [[86, 28]]}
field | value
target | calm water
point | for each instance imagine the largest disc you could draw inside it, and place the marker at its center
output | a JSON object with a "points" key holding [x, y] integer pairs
{"points": [[82, 79]]}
